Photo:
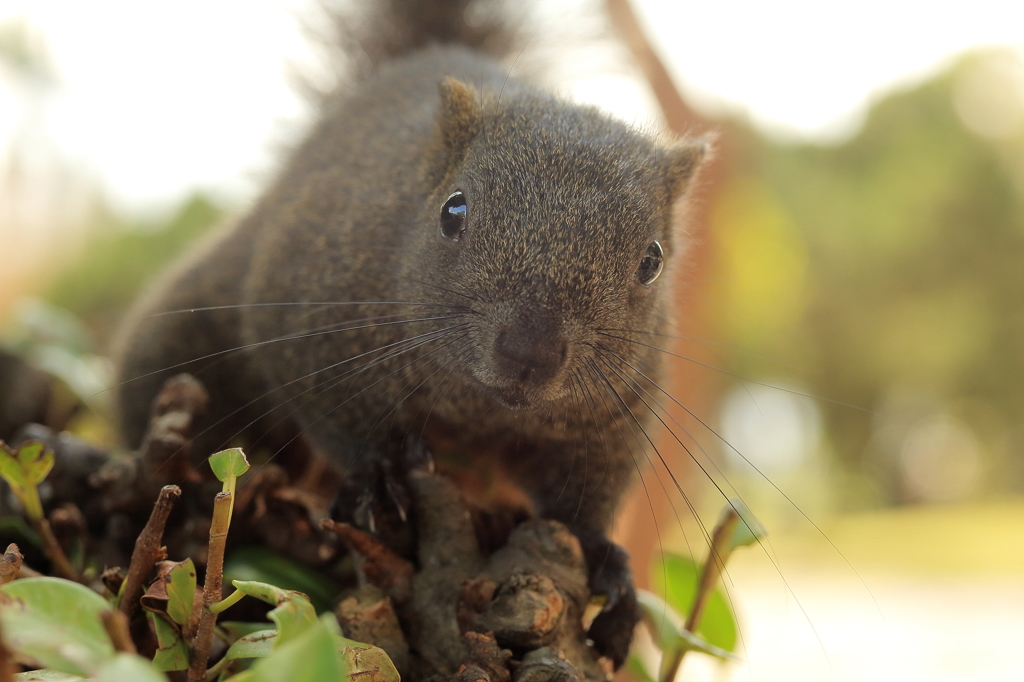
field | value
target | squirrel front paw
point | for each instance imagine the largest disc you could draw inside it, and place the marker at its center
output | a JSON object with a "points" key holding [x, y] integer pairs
{"points": [[612, 630], [375, 497]]}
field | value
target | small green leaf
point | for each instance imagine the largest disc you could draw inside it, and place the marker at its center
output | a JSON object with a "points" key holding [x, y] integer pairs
{"points": [[172, 652], [667, 629], [38, 469], [262, 591], [255, 645], [365, 662], [749, 530], [181, 592], [10, 467], [293, 615], [264, 565], [128, 668], [229, 464], [355, 661], [55, 623], [31, 459], [636, 667], [244, 676], [24, 470], [29, 452], [234, 629], [692, 642], [664, 623], [675, 578], [310, 657]]}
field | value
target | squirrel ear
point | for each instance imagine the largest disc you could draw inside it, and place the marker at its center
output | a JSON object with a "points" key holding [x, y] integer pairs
{"points": [[459, 115], [682, 161]]}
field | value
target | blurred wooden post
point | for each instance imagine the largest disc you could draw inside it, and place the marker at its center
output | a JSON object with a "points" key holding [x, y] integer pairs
{"points": [[690, 384]]}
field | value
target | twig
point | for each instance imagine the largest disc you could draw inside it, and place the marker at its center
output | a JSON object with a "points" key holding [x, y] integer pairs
{"points": [[10, 564], [381, 566], [212, 587], [147, 549], [7, 667], [116, 625], [678, 115], [719, 552], [54, 552]]}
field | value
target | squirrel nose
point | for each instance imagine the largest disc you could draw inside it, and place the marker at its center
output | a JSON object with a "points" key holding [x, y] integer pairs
{"points": [[531, 352]]}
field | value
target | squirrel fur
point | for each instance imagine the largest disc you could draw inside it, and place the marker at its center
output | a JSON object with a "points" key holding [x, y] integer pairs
{"points": [[486, 339]]}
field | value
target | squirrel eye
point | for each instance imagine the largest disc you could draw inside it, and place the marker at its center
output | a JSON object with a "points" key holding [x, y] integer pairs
{"points": [[651, 264], [453, 216]]}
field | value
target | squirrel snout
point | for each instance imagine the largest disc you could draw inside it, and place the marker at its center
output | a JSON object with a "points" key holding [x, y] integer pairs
{"points": [[530, 355]]}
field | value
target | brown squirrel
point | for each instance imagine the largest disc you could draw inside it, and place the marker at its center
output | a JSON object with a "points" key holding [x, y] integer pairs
{"points": [[451, 254]]}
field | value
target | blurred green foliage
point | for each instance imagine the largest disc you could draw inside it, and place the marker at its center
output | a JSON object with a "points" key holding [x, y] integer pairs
{"points": [[675, 579], [121, 257], [887, 265]]}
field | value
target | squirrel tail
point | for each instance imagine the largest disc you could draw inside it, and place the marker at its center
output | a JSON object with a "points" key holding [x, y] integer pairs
{"points": [[386, 29]]}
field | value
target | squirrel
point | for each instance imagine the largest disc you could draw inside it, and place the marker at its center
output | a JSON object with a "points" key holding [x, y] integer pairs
{"points": [[451, 254]]}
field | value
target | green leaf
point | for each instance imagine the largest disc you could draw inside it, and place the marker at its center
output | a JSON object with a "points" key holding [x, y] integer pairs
{"points": [[172, 652], [31, 459], [749, 530], [38, 467], [10, 468], [663, 621], [229, 464], [263, 591], [310, 657], [718, 624], [24, 470], [293, 615], [264, 565], [29, 452], [667, 629], [234, 629], [255, 645], [181, 592], [244, 676], [55, 623], [365, 662], [128, 668], [636, 667], [692, 642]]}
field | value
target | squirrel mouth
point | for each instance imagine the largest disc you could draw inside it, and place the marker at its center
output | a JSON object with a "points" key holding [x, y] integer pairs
{"points": [[515, 396], [522, 396]]}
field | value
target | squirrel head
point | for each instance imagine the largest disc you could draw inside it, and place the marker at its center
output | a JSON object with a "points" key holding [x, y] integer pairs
{"points": [[552, 223]]}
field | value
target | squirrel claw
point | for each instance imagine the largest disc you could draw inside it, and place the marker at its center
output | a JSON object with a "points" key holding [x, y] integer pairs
{"points": [[375, 497], [395, 493], [363, 515], [612, 630]]}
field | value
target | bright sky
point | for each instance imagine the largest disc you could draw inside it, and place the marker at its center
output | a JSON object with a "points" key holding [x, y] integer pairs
{"points": [[162, 98]]}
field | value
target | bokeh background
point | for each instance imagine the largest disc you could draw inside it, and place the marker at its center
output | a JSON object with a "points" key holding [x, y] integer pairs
{"points": [[852, 310]]}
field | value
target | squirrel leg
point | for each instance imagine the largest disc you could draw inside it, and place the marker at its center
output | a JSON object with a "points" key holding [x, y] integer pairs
{"points": [[585, 502], [609, 574]]}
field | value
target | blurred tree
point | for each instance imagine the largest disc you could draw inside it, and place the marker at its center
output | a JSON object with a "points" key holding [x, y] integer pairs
{"points": [[121, 257], [891, 263]]}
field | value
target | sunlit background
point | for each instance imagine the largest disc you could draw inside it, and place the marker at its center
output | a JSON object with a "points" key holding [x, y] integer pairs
{"points": [[859, 291]]}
